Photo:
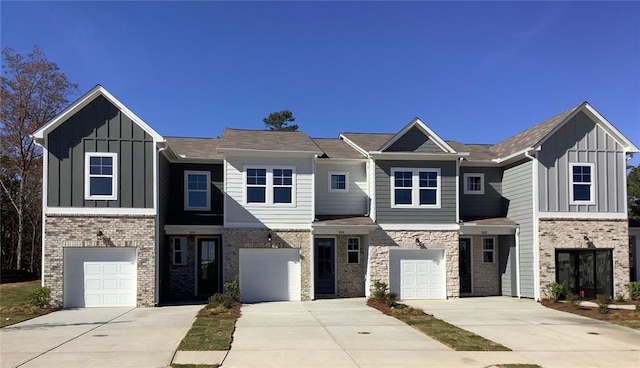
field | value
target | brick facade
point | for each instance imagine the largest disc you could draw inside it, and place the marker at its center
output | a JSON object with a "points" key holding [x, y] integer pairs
{"points": [[182, 278], [66, 231], [381, 241], [570, 234], [485, 275], [350, 276]]}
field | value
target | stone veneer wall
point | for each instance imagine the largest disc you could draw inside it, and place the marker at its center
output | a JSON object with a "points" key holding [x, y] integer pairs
{"points": [[66, 231], [236, 238], [486, 276], [350, 277], [570, 233], [381, 241]]}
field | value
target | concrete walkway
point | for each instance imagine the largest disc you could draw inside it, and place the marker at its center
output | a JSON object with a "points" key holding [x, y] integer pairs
{"points": [[97, 337], [545, 336]]}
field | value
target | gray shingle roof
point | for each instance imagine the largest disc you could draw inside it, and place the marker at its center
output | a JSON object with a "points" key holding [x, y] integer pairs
{"points": [[267, 140], [198, 148], [369, 141], [476, 151], [336, 148]]}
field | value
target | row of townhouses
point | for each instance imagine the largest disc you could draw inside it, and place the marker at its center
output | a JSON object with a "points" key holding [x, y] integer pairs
{"points": [[135, 218]]}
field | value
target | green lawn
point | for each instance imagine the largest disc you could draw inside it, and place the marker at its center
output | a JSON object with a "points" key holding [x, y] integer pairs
{"points": [[14, 303], [211, 331]]}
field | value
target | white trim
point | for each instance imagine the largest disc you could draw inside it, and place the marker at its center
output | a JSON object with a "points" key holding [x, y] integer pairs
{"points": [[261, 225], [591, 184], [473, 175], [584, 215], [269, 186], [517, 270], [536, 244], [458, 190], [352, 251], [417, 155], [207, 174], [425, 129], [193, 229], [371, 186], [225, 166], [352, 144], [312, 266], [314, 162], [346, 181], [493, 250], [87, 176], [183, 250], [443, 227], [466, 229], [98, 211], [45, 198], [415, 187]]}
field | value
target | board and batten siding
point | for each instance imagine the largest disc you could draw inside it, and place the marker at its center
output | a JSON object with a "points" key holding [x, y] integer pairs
{"points": [[100, 127], [517, 189], [353, 202], [489, 204], [581, 141], [239, 214], [446, 214]]}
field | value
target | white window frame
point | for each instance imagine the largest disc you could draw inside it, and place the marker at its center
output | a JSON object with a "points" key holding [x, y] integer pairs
{"points": [[346, 181], [182, 249], [88, 176], [492, 250], [592, 184], [186, 190], [415, 187], [473, 175], [350, 251], [269, 187]]}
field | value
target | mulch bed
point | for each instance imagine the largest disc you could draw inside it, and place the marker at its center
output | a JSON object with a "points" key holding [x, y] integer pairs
{"points": [[613, 316]]}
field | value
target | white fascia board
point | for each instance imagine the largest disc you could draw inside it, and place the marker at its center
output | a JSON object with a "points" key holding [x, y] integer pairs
{"points": [[479, 163], [443, 227], [416, 155], [273, 226], [584, 215], [513, 157], [355, 146], [193, 229], [488, 230], [425, 129], [273, 153], [353, 161], [83, 101], [343, 230], [99, 211]]}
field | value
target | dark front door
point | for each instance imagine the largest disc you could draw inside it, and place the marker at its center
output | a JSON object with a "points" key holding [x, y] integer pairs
{"points": [[464, 263], [588, 272], [325, 281], [208, 266]]}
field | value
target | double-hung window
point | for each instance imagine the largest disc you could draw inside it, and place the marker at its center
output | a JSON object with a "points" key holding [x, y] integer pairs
{"points": [[100, 176], [581, 183], [338, 181], [488, 250], [269, 185], [353, 250], [179, 251], [415, 188], [197, 192], [473, 183]]}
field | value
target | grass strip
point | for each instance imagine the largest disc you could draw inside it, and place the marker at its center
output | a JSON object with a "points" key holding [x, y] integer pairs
{"points": [[14, 303], [212, 330]]}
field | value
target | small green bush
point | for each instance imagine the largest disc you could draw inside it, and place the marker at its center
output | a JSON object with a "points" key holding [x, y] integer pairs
{"points": [[634, 290], [637, 310], [554, 290], [391, 299], [232, 289], [380, 290], [219, 300], [603, 303], [41, 297], [620, 297], [574, 299]]}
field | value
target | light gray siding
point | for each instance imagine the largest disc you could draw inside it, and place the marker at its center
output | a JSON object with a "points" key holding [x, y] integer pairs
{"points": [[353, 202], [581, 141], [414, 140], [239, 214], [489, 204], [517, 189], [100, 127], [507, 259], [446, 214]]}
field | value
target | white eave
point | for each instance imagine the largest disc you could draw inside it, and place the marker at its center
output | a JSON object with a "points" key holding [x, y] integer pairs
{"points": [[417, 155], [276, 153], [83, 101]]}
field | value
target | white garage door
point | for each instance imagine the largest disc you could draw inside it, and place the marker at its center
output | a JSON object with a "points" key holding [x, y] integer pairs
{"points": [[269, 274], [99, 277], [418, 274]]}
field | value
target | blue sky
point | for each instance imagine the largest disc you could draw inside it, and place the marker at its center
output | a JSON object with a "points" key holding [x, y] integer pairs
{"points": [[476, 72]]}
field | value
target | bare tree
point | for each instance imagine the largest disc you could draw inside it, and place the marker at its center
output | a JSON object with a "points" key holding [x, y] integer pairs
{"points": [[32, 92]]}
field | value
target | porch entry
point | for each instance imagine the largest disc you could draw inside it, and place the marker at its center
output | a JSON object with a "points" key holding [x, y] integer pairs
{"points": [[325, 275], [208, 266], [588, 271], [464, 264]]}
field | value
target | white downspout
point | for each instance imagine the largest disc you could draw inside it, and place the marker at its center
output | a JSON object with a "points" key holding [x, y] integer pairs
{"points": [[517, 270], [536, 245]]}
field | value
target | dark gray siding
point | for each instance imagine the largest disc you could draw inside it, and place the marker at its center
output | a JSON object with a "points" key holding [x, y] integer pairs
{"points": [[177, 214], [581, 141], [489, 204], [100, 127], [414, 140], [517, 188], [446, 214]]}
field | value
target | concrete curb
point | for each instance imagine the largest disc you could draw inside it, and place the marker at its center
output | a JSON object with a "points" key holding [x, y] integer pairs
{"points": [[200, 357]]}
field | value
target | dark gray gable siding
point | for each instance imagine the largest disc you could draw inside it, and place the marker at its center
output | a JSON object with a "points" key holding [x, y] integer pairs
{"points": [[414, 140], [177, 214], [446, 214], [100, 127], [489, 204]]}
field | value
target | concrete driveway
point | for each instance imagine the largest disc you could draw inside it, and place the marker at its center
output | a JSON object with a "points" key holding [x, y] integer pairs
{"points": [[97, 337], [545, 336]]}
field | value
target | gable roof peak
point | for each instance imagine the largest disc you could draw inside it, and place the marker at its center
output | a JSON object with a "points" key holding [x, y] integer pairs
{"points": [[416, 122]]}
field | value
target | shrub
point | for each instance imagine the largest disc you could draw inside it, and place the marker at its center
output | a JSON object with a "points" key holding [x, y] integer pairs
{"points": [[620, 297], [380, 290], [634, 290], [232, 289], [218, 300], [638, 310], [391, 299], [554, 290], [615, 315], [41, 297], [574, 299], [603, 303]]}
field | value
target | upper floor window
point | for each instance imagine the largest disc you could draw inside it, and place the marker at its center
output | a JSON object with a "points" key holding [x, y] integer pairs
{"points": [[488, 250], [100, 175], [270, 185], [338, 181], [415, 188], [197, 192], [581, 183], [473, 183]]}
